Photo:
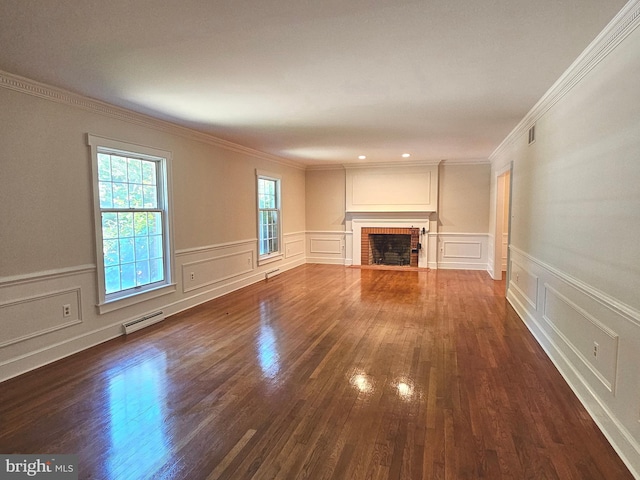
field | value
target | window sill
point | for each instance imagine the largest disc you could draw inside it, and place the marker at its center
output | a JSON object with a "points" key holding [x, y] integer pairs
{"points": [[135, 298], [274, 257]]}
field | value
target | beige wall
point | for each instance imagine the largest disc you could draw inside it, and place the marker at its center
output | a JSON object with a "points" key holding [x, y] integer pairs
{"points": [[325, 200], [575, 224], [47, 246], [46, 197], [463, 205], [576, 200]]}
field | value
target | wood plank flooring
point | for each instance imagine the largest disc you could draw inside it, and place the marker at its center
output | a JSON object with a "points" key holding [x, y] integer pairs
{"points": [[322, 372]]}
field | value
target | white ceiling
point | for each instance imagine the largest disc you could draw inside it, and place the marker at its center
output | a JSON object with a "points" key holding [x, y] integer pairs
{"points": [[317, 81]]}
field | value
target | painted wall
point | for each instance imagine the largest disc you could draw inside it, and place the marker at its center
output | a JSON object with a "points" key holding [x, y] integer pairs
{"points": [[391, 188], [575, 256], [463, 205], [325, 199], [46, 220]]}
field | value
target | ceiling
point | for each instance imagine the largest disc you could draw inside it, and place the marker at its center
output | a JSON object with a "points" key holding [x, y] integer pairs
{"points": [[318, 82]]}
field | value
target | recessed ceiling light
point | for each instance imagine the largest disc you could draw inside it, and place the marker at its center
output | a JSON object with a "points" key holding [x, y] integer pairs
{"points": [[362, 157], [406, 155]]}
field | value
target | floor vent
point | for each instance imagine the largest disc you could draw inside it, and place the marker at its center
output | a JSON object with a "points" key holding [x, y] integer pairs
{"points": [[272, 273], [145, 321]]}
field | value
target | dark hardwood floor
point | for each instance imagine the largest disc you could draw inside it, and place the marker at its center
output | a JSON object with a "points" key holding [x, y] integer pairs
{"points": [[321, 372]]}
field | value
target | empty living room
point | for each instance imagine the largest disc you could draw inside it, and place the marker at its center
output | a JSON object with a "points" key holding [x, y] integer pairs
{"points": [[349, 240]]}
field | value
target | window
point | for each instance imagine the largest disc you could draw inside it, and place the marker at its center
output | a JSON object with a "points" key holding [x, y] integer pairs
{"points": [[132, 219], [268, 217]]}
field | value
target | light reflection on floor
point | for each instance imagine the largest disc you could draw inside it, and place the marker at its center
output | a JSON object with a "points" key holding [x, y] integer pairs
{"points": [[267, 345], [139, 441], [366, 384]]}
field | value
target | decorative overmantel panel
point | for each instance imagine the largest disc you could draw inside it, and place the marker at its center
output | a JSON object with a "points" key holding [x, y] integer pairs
{"points": [[389, 196], [391, 188]]}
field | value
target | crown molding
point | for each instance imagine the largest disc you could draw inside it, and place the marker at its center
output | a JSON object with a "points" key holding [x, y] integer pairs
{"points": [[330, 166], [417, 163], [620, 27], [27, 86], [466, 161]]}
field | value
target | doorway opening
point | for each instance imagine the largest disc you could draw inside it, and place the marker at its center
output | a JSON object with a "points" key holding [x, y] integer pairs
{"points": [[503, 226]]}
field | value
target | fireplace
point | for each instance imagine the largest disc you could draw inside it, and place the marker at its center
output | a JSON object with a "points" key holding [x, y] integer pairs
{"points": [[389, 246], [361, 224]]}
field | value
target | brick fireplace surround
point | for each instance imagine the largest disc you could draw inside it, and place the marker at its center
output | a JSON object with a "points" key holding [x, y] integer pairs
{"points": [[365, 251]]}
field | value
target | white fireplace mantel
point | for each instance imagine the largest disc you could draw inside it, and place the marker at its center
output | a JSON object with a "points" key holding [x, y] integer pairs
{"points": [[356, 221]]}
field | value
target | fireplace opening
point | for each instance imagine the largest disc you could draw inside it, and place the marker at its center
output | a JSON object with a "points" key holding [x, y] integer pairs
{"points": [[390, 249], [390, 246]]}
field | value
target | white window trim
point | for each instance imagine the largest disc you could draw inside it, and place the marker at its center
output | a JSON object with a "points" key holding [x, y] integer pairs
{"points": [[115, 302], [273, 256]]}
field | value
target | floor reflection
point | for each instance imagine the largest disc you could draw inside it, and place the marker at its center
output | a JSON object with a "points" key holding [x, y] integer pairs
{"points": [[362, 382], [405, 388], [139, 441], [267, 344]]}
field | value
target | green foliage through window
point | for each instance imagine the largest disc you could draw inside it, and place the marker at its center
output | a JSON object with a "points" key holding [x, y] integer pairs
{"points": [[132, 222], [268, 215]]}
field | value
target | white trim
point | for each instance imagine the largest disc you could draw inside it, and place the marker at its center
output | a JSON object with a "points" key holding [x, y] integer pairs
{"points": [[45, 275], [54, 328], [129, 300], [615, 432], [466, 161], [50, 353], [338, 241], [267, 259], [394, 165], [458, 234], [608, 384], [474, 256], [331, 166], [599, 296], [328, 261], [613, 34], [58, 95], [217, 280], [264, 259], [328, 232], [217, 246], [125, 298]]}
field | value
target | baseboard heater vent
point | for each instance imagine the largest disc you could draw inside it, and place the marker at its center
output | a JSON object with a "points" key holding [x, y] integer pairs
{"points": [[272, 273], [143, 322]]}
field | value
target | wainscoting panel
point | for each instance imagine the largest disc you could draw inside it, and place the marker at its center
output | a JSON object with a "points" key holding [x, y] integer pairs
{"points": [[463, 251], [525, 283], [592, 338], [33, 331], [326, 247], [457, 249], [294, 247], [201, 273], [38, 315], [591, 341]]}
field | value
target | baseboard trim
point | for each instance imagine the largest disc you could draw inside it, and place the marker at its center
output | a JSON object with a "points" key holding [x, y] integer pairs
{"points": [[461, 266], [616, 434], [28, 361], [326, 261]]}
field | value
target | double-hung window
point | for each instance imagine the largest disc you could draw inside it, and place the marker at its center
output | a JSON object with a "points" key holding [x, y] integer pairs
{"points": [[132, 220], [269, 222]]}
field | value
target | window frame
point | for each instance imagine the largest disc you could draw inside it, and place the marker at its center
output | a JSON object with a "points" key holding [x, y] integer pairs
{"points": [[275, 255], [124, 298]]}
